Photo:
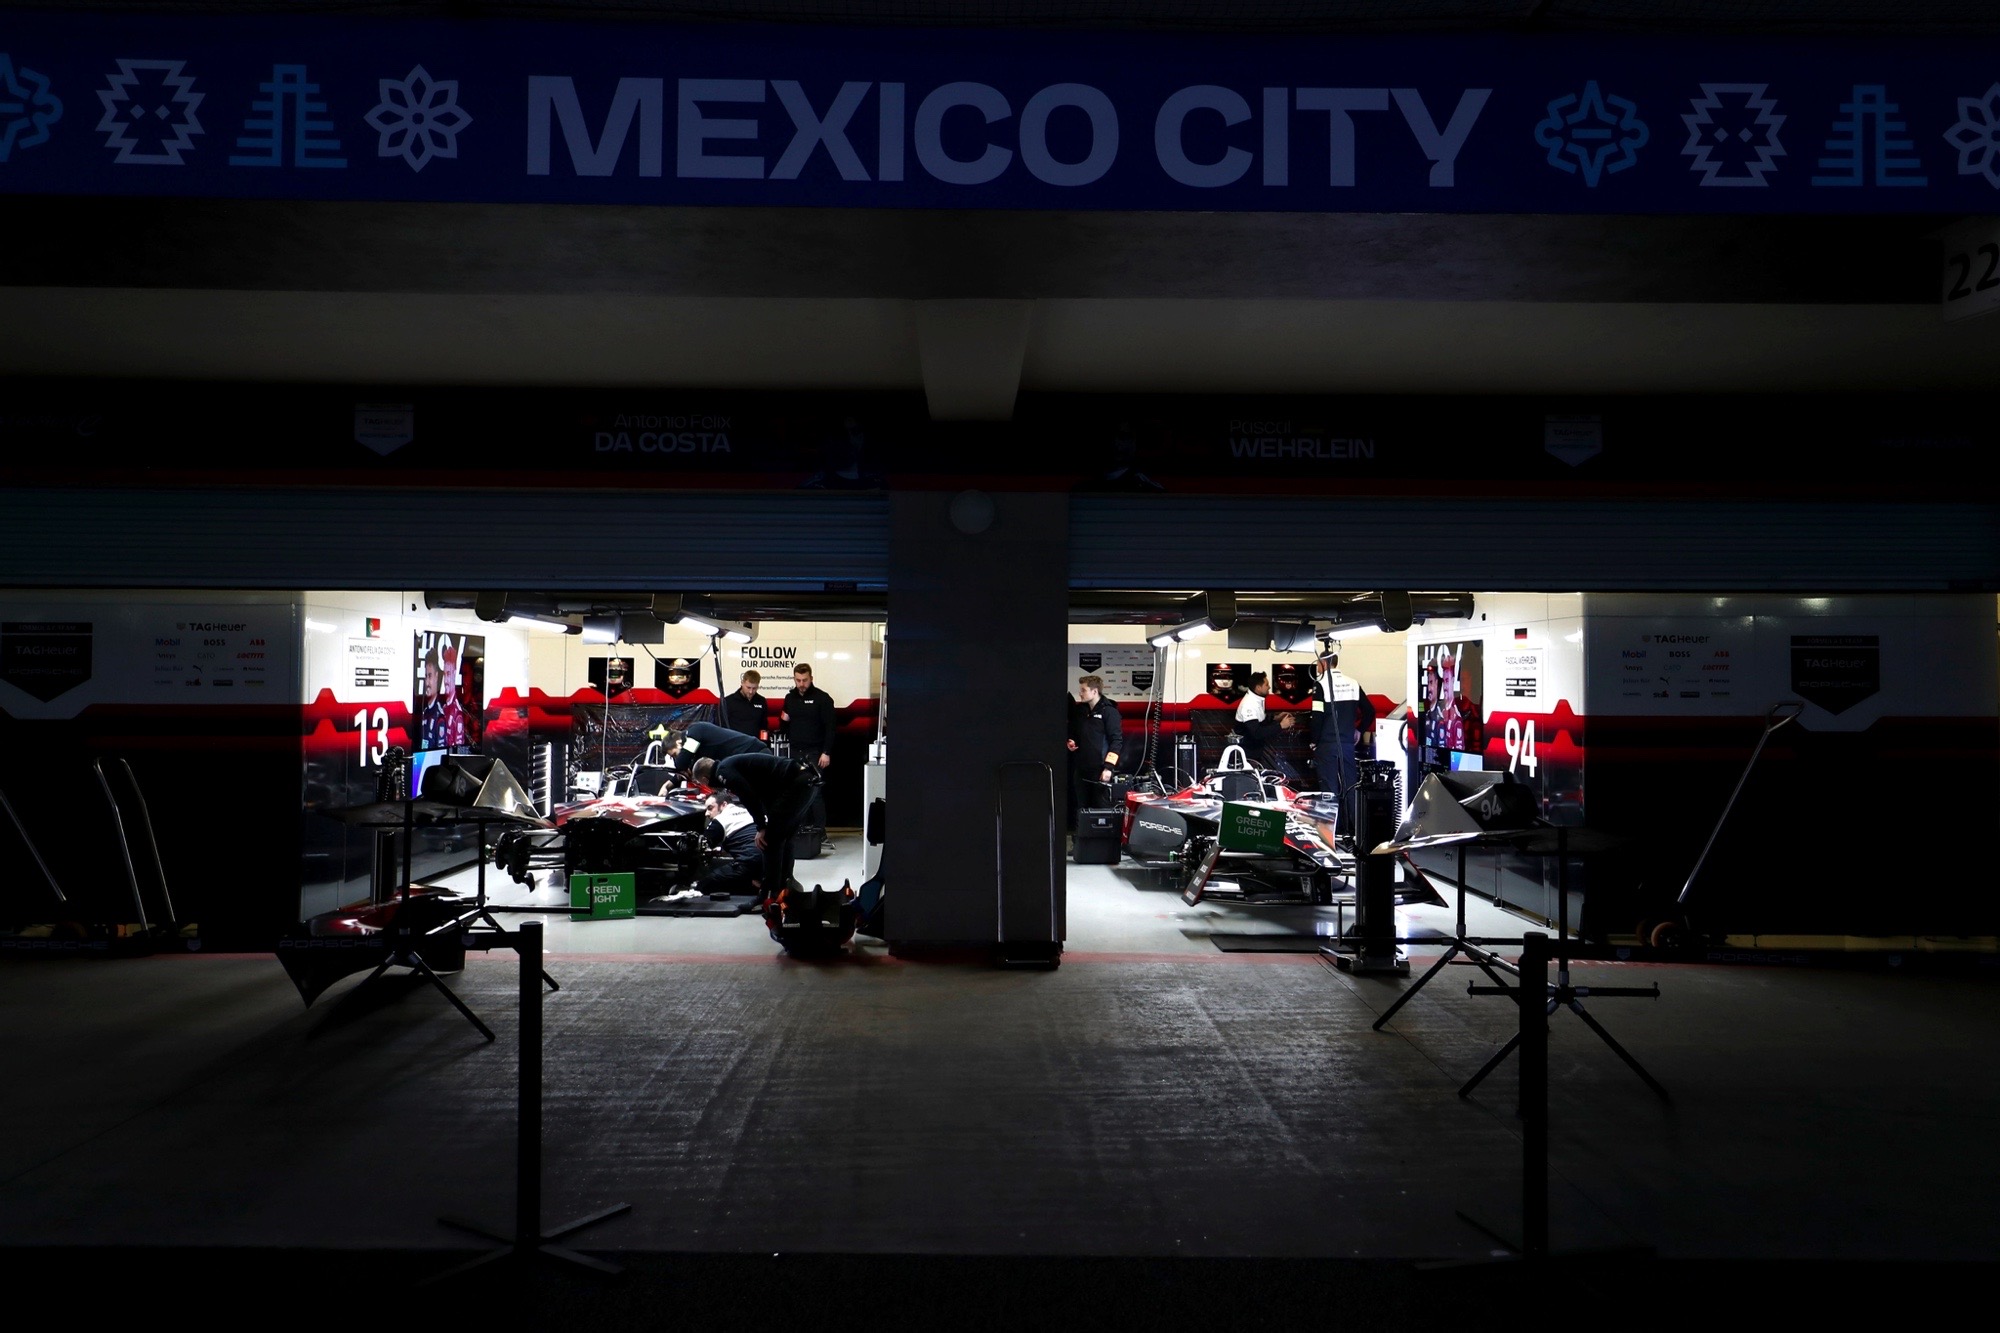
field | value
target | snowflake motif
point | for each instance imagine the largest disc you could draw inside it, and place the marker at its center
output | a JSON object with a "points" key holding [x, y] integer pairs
{"points": [[1976, 136], [1592, 134], [418, 118], [27, 108]]}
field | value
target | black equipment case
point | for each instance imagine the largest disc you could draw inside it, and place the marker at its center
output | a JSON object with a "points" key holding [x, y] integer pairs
{"points": [[1098, 834]]}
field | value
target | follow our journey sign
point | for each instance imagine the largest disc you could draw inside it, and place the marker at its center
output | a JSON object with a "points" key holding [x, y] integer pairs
{"points": [[334, 107]]}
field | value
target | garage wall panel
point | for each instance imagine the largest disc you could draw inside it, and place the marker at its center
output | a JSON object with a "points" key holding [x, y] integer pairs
{"points": [[365, 538], [1527, 544]]}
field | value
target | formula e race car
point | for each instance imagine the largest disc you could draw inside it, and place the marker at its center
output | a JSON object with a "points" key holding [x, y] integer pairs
{"points": [[658, 838], [1245, 833]]}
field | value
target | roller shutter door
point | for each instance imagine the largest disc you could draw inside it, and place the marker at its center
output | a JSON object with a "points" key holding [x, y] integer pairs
{"points": [[276, 538], [1532, 545]]}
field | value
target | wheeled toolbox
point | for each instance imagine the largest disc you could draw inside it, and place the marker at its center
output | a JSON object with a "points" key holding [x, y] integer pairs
{"points": [[1098, 834], [807, 842]]}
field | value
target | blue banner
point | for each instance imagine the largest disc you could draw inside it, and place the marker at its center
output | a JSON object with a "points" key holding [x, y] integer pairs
{"points": [[320, 107]]}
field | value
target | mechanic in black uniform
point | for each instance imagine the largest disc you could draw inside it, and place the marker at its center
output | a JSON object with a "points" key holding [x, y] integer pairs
{"points": [[1100, 736], [705, 740], [744, 709], [808, 716], [777, 793]]}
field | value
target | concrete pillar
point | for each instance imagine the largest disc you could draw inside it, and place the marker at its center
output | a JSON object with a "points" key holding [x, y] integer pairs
{"points": [[977, 632]]}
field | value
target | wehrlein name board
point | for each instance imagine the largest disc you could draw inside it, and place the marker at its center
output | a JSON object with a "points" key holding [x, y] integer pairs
{"points": [[329, 107]]}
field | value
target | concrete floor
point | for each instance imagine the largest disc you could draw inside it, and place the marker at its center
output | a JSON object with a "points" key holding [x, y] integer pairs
{"points": [[1155, 1096]]}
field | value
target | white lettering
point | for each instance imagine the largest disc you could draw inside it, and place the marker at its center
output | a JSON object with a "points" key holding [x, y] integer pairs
{"points": [[812, 130], [1277, 137], [692, 159], [889, 134], [554, 97], [1167, 145], [1441, 147], [1338, 103], [1035, 155], [988, 102]]}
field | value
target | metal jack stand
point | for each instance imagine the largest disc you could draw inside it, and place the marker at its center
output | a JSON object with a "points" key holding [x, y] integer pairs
{"points": [[1561, 993], [528, 1238]]}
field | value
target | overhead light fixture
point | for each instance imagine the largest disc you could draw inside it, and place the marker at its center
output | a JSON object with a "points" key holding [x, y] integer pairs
{"points": [[1194, 631], [600, 629], [739, 633], [547, 624], [697, 624], [1164, 639], [1356, 629]]}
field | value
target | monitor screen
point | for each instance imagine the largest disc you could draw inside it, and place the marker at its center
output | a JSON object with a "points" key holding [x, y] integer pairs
{"points": [[422, 762]]}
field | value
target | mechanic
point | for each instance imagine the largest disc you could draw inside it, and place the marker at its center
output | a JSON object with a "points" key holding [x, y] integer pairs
{"points": [[1335, 699], [1100, 736], [808, 716], [744, 710], [777, 793], [707, 740], [733, 834], [1259, 731]]}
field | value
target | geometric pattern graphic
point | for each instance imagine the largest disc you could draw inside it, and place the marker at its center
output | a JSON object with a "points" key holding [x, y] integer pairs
{"points": [[1866, 146], [288, 125], [1976, 136], [418, 118], [1733, 134], [1591, 134], [27, 108], [149, 112]]}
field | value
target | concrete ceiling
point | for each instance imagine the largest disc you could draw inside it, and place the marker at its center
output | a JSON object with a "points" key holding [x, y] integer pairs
{"points": [[972, 307]]}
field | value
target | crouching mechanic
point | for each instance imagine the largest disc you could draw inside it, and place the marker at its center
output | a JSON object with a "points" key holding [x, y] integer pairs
{"points": [[777, 793], [733, 834]]}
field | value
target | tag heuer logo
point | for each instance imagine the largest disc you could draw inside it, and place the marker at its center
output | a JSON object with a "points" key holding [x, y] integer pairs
{"points": [[1090, 661], [384, 427], [1575, 440]]}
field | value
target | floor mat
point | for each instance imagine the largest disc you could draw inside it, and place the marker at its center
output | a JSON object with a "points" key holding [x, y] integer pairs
{"points": [[732, 906], [1270, 943]]}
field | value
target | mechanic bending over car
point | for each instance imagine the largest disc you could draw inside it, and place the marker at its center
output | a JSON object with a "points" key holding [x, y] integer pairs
{"points": [[777, 793]]}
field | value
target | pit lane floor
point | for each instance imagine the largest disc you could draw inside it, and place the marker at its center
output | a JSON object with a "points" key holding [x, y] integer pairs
{"points": [[1152, 1097]]}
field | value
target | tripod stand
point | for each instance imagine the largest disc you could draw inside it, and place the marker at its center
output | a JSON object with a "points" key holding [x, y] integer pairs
{"points": [[1562, 993], [480, 911], [1473, 949]]}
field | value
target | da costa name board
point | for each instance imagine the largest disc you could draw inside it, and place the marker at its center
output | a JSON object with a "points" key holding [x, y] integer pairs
{"points": [[331, 107]]}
